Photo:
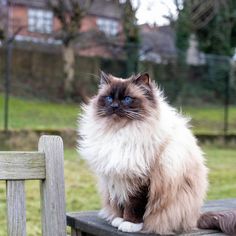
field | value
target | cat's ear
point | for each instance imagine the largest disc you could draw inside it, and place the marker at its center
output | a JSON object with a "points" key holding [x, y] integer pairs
{"points": [[104, 79], [142, 79]]}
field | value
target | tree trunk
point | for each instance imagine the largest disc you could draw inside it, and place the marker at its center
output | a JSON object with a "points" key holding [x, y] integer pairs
{"points": [[69, 70]]}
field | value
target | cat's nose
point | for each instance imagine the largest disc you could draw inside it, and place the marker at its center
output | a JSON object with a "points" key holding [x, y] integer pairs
{"points": [[115, 105]]}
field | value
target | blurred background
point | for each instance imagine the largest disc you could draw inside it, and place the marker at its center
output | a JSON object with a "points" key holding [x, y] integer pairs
{"points": [[51, 54]]}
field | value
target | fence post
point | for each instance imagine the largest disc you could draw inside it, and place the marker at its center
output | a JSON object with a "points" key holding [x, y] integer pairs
{"points": [[226, 107], [7, 84]]}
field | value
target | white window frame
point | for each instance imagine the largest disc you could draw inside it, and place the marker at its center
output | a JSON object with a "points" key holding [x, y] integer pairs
{"points": [[109, 26], [40, 21]]}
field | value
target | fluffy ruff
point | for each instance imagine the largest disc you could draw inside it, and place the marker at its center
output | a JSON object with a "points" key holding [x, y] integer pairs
{"points": [[159, 152]]}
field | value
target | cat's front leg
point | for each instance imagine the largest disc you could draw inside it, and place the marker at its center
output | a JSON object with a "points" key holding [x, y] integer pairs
{"points": [[106, 214], [111, 209], [110, 212], [132, 220], [133, 212]]}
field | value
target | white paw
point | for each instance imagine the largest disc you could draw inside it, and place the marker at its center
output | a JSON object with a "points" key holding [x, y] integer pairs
{"points": [[105, 214], [130, 227], [117, 221]]}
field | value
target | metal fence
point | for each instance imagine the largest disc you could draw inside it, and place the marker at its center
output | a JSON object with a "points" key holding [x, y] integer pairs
{"points": [[205, 89]]}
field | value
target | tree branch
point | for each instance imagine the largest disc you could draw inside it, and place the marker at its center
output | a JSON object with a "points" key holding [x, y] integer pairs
{"points": [[70, 14]]}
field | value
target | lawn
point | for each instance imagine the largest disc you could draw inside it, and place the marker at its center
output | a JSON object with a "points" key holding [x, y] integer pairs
{"points": [[35, 114], [210, 119], [81, 191], [26, 114]]}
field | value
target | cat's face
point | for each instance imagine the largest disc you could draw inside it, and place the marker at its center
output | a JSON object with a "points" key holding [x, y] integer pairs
{"points": [[128, 99]]}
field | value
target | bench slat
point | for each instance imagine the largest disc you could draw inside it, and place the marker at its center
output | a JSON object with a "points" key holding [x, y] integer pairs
{"points": [[91, 224], [22, 165], [16, 213], [52, 188]]}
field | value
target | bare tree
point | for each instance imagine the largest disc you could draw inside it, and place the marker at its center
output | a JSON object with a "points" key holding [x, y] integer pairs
{"points": [[3, 21], [131, 32], [70, 14]]}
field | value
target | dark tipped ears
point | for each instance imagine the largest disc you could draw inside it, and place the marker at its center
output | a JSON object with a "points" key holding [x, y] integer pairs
{"points": [[142, 79], [104, 78]]}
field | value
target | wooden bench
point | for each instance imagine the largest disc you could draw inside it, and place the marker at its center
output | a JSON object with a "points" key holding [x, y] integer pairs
{"points": [[89, 224], [46, 165]]}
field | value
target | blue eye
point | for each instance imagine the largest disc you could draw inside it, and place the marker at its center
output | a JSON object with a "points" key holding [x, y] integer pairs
{"points": [[109, 99], [127, 100]]}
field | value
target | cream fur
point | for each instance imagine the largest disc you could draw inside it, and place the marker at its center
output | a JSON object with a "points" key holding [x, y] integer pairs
{"points": [[162, 148], [130, 227], [117, 222]]}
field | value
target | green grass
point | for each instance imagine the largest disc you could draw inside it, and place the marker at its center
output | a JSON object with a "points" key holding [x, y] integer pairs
{"points": [[81, 191], [27, 114], [210, 119], [222, 175]]}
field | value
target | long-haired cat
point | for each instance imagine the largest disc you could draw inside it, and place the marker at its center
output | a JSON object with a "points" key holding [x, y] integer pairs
{"points": [[151, 171]]}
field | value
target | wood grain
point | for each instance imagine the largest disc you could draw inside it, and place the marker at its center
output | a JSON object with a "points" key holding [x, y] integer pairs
{"points": [[75, 232], [89, 223], [52, 188], [16, 213], [22, 165]]}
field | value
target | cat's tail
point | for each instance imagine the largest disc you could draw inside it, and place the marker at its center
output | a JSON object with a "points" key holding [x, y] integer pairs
{"points": [[224, 221]]}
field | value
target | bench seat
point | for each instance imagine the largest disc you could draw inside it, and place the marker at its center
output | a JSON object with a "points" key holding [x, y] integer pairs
{"points": [[89, 224]]}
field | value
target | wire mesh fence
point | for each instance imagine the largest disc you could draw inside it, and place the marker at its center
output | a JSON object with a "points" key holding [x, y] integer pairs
{"points": [[204, 90]]}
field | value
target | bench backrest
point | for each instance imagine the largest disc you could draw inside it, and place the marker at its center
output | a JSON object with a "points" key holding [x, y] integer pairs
{"points": [[46, 165]]}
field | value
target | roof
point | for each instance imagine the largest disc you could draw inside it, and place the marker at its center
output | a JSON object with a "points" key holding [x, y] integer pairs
{"points": [[108, 8], [105, 8], [159, 40], [30, 3]]}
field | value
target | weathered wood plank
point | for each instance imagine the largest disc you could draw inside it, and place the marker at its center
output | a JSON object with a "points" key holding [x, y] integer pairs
{"points": [[91, 224], [22, 165], [218, 205], [75, 232], [52, 188], [16, 213]]}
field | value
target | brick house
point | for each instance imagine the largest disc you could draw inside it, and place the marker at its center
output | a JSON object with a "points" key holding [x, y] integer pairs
{"points": [[39, 25]]}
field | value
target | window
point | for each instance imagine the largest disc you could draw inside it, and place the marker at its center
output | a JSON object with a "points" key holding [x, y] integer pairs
{"points": [[40, 21], [108, 26]]}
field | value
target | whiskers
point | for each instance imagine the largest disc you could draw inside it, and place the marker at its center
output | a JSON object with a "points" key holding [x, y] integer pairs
{"points": [[131, 114], [134, 114], [102, 112]]}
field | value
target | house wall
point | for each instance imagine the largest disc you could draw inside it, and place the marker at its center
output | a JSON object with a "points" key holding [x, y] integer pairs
{"points": [[19, 18], [89, 23]]}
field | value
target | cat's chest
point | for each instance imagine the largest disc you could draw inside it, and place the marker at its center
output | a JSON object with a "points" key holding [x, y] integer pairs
{"points": [[128, 150], [126, 142], [121, 189]]}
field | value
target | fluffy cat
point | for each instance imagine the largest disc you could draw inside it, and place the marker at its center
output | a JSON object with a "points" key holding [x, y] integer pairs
{"points": [[151, 171]]}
